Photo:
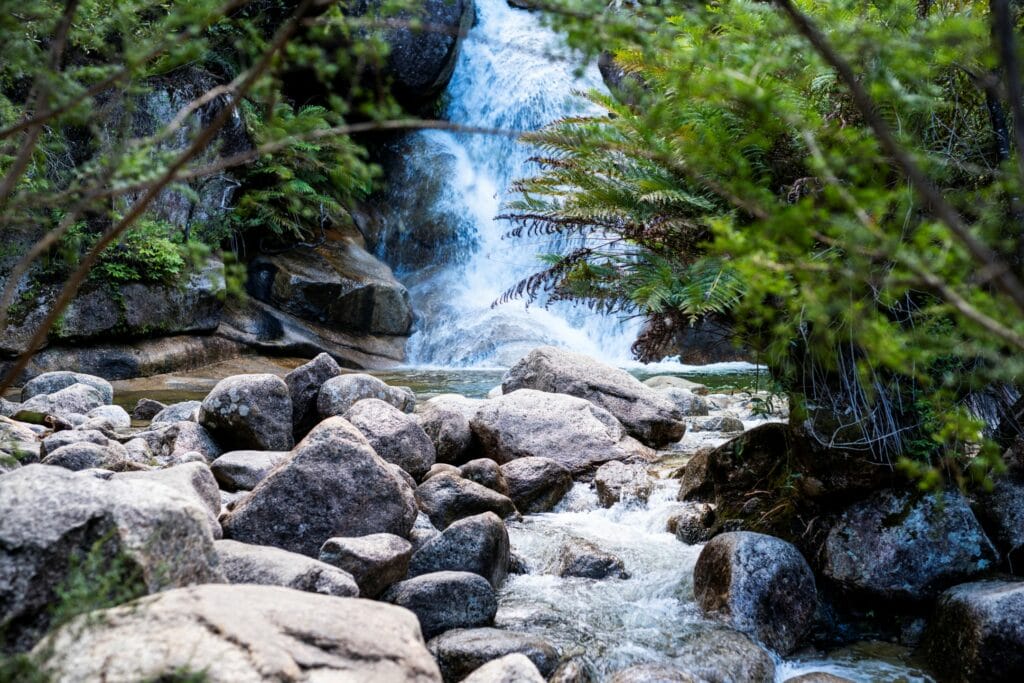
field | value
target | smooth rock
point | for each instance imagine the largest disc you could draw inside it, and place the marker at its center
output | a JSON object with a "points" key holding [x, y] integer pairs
{"points": [[375, 561], [514, 668], [338, 394], [186, 411], [446, 600], [52, 382], [66, 437], [536, 484], [442, 468], [84, 455], [477, 544], [249, 411], [117, 416], [77, 399], [485, 472], [147, 409], [461, 651], [693, 523], [395, 436], [193, 480], [585, 560], [304, 384], [446, 498], [665, 381], [729, 424], [617, 482], [445, 419], [244, 470], [688, 403], [727, 656], [266, 566]]}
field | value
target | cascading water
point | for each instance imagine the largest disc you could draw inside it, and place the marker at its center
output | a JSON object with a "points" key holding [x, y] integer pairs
{"points": [[512, 74]]}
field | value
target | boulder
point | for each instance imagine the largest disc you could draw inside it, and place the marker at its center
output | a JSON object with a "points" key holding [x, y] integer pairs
{"points": [[193, 480], [729, 424], [977, 632], [226, 634], [536, 484], [147, 409], [395, 436], [116, 416], [52, 382], [725, 655], [900, 547], [693, 523], [1001, 512], [477, 544], [462, 651], [514, 668], [77, 399], [375, 561], [646, 414], [442, 468], [249, 411], [655, 673], [818, 677], [446, 600], [66, 437], [528, 423], [184, 437], [445, 419], [266, 566], [573, 670], [185, 411], [666, 381], [585, 560], [8, 408], [485, 472], [617, 482], [446, 498], [422, 532], [244, 470], [332, 485], [759, 585], [698, 480], [52, 519], [688, 403], [340, 393], [304, 384], [84, 455], [19, 441], [139, 451]]}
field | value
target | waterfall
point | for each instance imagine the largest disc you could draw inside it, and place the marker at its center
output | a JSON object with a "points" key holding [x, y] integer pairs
{"points": [[512, 73]]}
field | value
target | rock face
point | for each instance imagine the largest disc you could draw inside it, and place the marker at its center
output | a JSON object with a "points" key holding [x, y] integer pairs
{"points": [[761, 585], [616, 482], [477, 544], [977, 632], [528, 423], [585, 560], [52, 382], [244, 470], [446, 600], [445, 419], [375, 561], [1001, 512], [462, 651], [395, 436], [446, 498], [536, 484], [646, 414], [893, 547], [304, 384], [50, 519], [266, 566], [244, 633], [338, 394], [332, 485], [513, 668], [249, 411]]}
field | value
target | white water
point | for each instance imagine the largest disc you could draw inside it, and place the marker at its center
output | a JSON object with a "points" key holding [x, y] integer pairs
{"points": [[512, 74]]}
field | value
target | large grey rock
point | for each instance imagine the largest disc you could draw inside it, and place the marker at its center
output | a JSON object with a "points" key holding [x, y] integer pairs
{"points": [[67, 437], [536, 484], [760, 585], [646, 414], [396, 436], [243, 634], [446, 600], [477, 544], [244, 470], [332, 485], [52, 382], [445, 419], [304, 384], [666, 381], [186, 437], [50, 519], [77, 399], [266, 566], [895, 546], [338, 394], [193, 480], [617, 482], [514, 668], [185, 411], [375, 561], [725, 655], [18, 441], [693, 523], [977, 632], [1001, 512], [655, 673], [585, 560], [8, 408], [249, 411], [569, 430], [84, 455], [423, 531], [688, 403], [462, 651], [446, 498], [485, 472], [147, 409], [116, 416]]}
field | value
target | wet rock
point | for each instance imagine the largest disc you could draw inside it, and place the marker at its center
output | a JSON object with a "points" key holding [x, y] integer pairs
{"points": [[249, 411], [729, 424], [116, 416], [894, 546], [485, 472], [693, 523], [446, 498], [244, 470], [688, 403], [528, 423], [760, 585], [338, 394], [665, 381], [573, 670], [332, 485], [1001, 512], [304, 384], [50, 519], [536, 484], [646, 414], [193, 480], [616, 482], [446, 600], [585, 560], [655, 673], [84, 455], [513, 668], [77, 399], [445, 419], [186, 411], [818, 677], [462, 651], [375, 561], [243, 633], [53, 382], [977, 632], [477, 544], [727, 656], [697, 482], [395, 436], [266, 566], [146, 409], [422, 532]]}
